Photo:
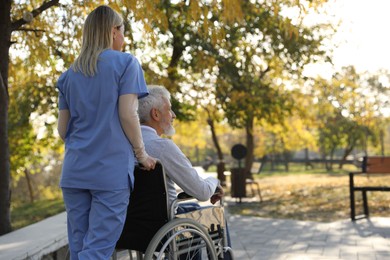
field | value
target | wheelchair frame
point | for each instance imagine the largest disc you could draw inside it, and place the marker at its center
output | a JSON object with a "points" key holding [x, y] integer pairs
{"points": [[172, 235]]}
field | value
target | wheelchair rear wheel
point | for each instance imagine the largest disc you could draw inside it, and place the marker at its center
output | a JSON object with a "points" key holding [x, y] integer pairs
{"points": [[181, 238]]}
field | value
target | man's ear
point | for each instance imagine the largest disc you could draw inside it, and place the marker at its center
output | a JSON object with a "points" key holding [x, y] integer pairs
{"points": [[155, 114]]}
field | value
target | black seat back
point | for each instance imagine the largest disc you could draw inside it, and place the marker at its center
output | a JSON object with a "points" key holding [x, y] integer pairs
{"points": [[147, 211]]}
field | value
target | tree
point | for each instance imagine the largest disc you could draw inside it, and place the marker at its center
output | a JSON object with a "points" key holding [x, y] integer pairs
{"points": [[192, 139], [49, 44], [255, 59], [185, 26], [39, 40], [282, 140], [175, 35], [263, 42], [8, 25], [329, 119], [41, 47], [5, 192], [350, 111], [378, 87], [31, 122]]}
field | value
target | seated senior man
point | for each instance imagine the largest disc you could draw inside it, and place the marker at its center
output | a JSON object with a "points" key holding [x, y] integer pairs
{"points": [[156, 117]]}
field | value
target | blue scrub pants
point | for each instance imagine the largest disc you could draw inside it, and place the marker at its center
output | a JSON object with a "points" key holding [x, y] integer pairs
{"points": [[95, 221]]}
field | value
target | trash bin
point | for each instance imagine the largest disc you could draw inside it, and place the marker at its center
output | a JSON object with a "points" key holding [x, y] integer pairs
{"points": [[238, 187], [238, 175]]}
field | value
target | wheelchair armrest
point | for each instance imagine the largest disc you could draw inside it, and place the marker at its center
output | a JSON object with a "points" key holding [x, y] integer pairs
{"points": [[184, 196]]}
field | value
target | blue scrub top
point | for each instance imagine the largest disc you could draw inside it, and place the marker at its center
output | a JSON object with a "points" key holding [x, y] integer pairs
{"points": [[98, 155]]}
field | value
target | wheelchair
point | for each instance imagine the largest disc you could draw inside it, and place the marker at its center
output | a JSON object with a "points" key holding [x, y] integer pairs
{"points": [[153, 231]]}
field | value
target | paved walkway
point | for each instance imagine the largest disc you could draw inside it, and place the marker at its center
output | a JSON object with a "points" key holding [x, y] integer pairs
{"points": [[252, 239], [266, 239], [261, 238], [256, 238]]}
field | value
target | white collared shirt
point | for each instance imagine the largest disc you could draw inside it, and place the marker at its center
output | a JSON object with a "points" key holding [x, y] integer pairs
{"points": [[178, 168]]}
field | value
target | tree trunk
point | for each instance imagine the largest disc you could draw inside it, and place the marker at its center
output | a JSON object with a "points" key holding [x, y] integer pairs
{"points": [[249, 146], [323, 159], [330, 167], [347, 152], [286, 156], [273, 152], [29, 185], [5, 191], [6, 28], [382, 141], [221, 163], [365, 144], [286, 159], [308, 164]]}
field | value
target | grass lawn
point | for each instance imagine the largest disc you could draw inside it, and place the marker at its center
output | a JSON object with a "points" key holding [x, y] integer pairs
{"points": [[311, 196], [26, 214], [299, 194]]}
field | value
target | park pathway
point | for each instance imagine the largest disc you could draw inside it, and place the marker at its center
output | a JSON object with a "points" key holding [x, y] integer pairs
{"points": [[261, 238]]}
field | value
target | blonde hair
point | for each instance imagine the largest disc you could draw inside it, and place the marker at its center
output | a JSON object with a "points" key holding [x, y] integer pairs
{"points": [[97, 37]]}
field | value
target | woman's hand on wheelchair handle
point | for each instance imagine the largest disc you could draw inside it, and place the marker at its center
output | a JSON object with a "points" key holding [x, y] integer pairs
{"points": [[148, 163]]}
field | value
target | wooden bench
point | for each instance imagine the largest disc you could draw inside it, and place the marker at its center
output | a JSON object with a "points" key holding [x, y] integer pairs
{"points": [[372, 165]]}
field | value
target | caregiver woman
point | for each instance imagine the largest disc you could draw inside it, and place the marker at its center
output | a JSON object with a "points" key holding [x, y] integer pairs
{"points": [[98, 120]]}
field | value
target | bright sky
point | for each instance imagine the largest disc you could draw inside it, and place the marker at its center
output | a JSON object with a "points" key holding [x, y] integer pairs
{"points": [[363, 37], [366, 34]]}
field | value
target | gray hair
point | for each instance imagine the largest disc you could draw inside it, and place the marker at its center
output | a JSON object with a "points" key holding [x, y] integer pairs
{"points": [[155, 99], [97, 37]]}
